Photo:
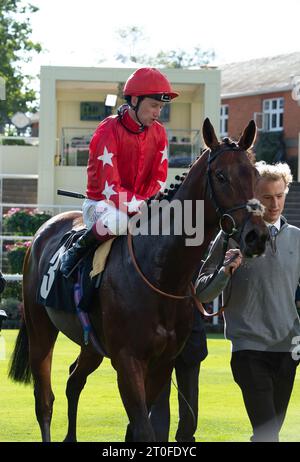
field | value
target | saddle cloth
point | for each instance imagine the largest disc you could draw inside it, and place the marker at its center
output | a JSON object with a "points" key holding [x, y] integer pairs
{"points": [[100, 257], [57, 292]]}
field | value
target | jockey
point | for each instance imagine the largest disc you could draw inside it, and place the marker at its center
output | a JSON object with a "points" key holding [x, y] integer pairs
{"points": [[127, 162]]}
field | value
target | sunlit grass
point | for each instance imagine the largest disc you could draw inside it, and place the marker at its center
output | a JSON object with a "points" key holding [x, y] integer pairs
{"points": [[101, 415]]}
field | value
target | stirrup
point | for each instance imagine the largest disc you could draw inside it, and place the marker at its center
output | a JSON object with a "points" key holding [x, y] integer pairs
{"points": [[76, 264], [72, 269]]}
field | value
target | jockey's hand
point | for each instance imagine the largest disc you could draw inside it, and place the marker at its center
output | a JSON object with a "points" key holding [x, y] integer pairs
{"points": [[233, 259]]}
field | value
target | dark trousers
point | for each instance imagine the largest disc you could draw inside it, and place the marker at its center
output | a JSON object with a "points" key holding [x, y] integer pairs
{"points": [[187, 377], [266, 380]]}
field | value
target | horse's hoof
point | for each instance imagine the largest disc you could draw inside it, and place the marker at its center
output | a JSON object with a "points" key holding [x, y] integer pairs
{"points": [[69, 440]]}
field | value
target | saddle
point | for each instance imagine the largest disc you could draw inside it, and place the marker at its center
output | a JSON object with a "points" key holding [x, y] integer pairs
{"points": [[58, 292]]}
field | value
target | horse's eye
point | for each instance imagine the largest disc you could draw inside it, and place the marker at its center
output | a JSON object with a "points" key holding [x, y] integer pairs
{"points": [[221, 177]]}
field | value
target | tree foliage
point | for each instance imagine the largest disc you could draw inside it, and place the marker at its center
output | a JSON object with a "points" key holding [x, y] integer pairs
{"points": [[16, 49], [181, 59], [131, 40], [130, 37]]}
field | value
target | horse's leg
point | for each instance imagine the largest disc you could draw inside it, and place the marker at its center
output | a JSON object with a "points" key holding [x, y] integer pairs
{"points": [[158, 385], [42, 336], [157, 379], [155, 383], [131, 382], [86, 363]]}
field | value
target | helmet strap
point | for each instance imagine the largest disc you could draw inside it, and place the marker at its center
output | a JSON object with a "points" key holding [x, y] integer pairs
{"points": [[136, 108], [120, 117]]}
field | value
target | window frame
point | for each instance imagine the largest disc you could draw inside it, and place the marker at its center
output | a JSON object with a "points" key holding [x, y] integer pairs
{"points": [[224, 116], [270, 112]]}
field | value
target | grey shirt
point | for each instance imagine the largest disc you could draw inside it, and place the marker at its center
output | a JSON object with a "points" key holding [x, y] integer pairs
{"points": [[260, 313]]}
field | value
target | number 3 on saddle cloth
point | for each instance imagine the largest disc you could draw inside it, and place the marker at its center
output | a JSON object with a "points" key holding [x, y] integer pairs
{"points": [[72, 294]]}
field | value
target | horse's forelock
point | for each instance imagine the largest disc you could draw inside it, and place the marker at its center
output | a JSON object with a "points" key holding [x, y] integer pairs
{"points": [[229, 142]]}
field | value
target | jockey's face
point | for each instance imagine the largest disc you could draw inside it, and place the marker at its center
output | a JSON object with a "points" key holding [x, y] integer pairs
{"points": [[148, 111]]}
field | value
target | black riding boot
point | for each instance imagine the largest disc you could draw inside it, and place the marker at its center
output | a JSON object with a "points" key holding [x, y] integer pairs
{"points": [[72, 256]]}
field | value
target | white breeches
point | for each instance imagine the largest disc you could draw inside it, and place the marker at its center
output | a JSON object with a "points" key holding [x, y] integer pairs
{"points": [[115, 220]]}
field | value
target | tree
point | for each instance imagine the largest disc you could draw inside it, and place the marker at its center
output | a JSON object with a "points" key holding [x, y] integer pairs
{"points": [[180, 59], [130, 38], [16, 48], [133, 36]]}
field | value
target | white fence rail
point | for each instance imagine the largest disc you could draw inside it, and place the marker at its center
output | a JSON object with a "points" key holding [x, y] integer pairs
{"points": [[51, 208]]}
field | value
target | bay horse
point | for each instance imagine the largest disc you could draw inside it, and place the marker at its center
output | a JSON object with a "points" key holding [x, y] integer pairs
{"points": [[142, 330]]}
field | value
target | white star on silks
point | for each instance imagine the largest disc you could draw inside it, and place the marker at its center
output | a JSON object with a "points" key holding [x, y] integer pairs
{"points": [[134, 204], [164, 154], [106, 157], [108, 191], [162, 185]]}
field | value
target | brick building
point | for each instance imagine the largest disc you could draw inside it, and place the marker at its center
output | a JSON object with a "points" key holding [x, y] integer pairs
{"points": [[268, 91]]}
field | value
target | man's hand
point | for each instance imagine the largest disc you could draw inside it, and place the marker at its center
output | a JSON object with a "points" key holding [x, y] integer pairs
{"points": [[232, 260]]}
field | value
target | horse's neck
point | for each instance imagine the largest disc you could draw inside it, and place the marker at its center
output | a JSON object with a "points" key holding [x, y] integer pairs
{"points": [[178, 262], [171, 261]]}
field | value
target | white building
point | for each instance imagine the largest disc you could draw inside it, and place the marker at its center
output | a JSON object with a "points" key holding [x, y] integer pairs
{"points": [[71, 106]]}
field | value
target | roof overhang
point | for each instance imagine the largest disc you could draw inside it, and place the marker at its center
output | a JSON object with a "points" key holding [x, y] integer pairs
{"points": [[261, 91]]}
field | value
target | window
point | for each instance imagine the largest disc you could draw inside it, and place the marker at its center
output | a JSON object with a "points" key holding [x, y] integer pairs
{"points": [[94, 111], [165, 113], [273, 114], [224, 120]]}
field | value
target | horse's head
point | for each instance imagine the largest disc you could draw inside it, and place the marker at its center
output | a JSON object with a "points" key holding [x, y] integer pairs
{"points": [[231, 182]]}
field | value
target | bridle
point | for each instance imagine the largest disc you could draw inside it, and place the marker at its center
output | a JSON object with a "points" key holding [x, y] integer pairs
{"points": [[253, 206]]}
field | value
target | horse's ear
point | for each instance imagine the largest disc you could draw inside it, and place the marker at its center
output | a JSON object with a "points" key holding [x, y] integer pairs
{"points": [[209, 135], [248, 136]]}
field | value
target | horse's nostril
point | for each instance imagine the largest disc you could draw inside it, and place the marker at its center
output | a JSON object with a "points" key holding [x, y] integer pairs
{"points": [[251, 237], [255, 243]]}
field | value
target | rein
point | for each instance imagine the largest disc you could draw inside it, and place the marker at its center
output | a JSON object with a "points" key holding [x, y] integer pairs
{"points": [[192, 296]]}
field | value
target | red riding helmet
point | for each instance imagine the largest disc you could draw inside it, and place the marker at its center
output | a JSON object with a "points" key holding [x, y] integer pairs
{"points": [[148, 81]]}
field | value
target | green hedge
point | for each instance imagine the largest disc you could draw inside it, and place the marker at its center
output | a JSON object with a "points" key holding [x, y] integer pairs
{"points": [[270, 147], [23, 221], [11, 303], [16, 254], [14, 142], [13, 309]]}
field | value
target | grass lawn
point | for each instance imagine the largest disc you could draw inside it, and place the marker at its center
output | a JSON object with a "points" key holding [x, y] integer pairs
{"points": [[101, 415]]}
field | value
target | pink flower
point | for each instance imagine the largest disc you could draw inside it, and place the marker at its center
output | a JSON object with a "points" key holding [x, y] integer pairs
{"points": [[18, 245]]}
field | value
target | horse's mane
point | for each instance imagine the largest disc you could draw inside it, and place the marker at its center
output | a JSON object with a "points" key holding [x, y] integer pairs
{"points": [[170, 192]]}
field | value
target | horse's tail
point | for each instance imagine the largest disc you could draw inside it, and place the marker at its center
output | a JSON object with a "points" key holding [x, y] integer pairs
{"points": [[19, 369]]}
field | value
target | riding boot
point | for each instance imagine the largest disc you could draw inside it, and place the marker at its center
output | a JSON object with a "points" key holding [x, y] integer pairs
{"points": [[79, 249]]}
